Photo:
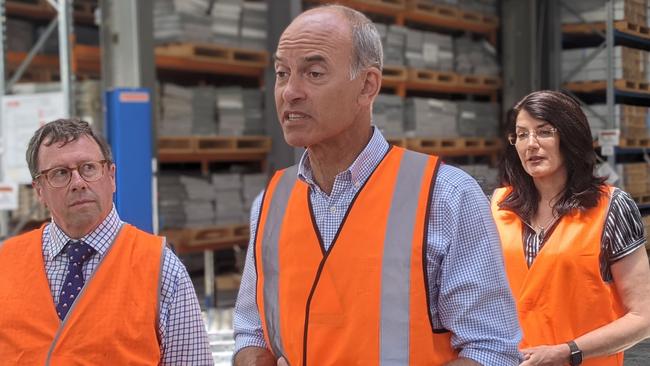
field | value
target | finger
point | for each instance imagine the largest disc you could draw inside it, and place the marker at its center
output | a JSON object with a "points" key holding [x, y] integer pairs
{"points": [[282, 362]]}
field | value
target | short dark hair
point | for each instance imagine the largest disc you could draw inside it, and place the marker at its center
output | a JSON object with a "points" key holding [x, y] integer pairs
{"points": [[583, 188], [62, 131]]}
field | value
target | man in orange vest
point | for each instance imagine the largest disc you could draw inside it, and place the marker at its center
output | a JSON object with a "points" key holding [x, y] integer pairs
{"points": [[365, 254], [88, 288]]}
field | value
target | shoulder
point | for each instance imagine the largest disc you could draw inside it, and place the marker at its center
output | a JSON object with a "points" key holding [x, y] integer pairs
{"points": [[619, 197], [172, 273], [452, 181], [622, 208], [142, 238], [32, 236]]}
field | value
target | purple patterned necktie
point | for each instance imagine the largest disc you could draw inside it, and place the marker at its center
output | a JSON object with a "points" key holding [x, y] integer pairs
{"points": [[77, 252]]}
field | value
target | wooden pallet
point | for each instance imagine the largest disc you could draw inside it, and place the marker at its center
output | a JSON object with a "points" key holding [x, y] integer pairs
{"points": [[433, 77], [219, 144], [479, 81], [451, 143], [177, 145], [214, 53], [634, 142], [624, 26], [213, 144], [590, 86], [208, 237], [395, 4], [394, 73], [438, 11], [478, 18]]}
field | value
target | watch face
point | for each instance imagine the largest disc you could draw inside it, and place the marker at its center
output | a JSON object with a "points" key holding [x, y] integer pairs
{"points": [[576, 358]]}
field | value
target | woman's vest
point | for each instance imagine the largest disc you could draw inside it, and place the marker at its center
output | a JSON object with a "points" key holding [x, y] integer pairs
{"points": [[113, 321], [365, 300], [562, 295]]}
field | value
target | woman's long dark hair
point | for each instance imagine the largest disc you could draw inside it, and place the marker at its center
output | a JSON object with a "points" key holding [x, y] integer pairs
{"points": [[583, 188]]}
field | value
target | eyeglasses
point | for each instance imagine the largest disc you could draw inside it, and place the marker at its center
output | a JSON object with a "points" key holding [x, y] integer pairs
{"points": [[540, 134], [60, 176]]}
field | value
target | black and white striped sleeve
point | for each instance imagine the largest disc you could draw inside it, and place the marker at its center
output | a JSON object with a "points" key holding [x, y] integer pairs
{"points": [[624, 230]]}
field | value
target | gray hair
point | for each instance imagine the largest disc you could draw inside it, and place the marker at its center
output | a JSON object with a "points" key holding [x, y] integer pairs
{"points": [[366, 41], [62, 131]]}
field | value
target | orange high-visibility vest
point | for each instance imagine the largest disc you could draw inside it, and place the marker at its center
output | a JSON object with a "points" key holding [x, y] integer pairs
{"points": [[363, 302], [562, 296], [112, 322]]}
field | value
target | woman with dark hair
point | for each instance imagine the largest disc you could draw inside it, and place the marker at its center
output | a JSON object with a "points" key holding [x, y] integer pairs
{"points": [[573, 246]]}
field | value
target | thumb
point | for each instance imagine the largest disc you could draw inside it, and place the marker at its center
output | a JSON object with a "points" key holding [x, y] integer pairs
{"points": [[282, 362]]}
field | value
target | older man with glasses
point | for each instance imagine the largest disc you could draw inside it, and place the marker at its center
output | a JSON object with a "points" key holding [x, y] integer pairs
{"points": [[88, 288]]}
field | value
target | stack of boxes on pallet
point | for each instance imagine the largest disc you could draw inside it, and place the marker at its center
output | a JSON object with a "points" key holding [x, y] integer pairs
{"points": [[633, 178], [429, 50], [487, 7], [388, 114], [194, 202], [439, 118], [393, 38], [630, 65], [580, 11], [238, 23], [427, 117], [442, 54], [475, 57], [632, 119], [630, 73], [206, 110], [446, 59]]}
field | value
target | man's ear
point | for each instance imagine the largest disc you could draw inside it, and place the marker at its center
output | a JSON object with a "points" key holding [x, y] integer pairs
{"points": [[371, 86], [111, 173], [38, 189]]}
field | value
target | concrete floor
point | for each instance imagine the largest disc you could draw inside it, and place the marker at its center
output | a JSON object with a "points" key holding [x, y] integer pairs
{"points": [[638, 355]]}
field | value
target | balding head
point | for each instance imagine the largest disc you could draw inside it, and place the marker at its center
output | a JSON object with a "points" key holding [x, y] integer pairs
{"points": [[365, 39]]}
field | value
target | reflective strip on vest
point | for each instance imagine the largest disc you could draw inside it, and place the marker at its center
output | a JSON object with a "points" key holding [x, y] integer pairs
{"points": [[396, 267], [271, 261]]}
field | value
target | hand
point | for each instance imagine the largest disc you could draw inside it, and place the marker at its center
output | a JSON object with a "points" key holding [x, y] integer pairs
{"points": [[282, 362], [557, 355]]}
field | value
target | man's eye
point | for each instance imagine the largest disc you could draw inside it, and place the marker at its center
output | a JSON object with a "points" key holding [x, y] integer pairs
{"points": [[280, 74], [315, 74], [59, 172], [88, 167]]}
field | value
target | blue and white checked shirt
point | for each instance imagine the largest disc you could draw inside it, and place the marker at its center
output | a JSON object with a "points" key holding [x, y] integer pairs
{"points": [[469, 291], [184, 340]]}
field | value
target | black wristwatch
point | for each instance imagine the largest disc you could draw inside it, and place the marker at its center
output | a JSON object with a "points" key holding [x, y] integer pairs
{"points": [[575, 358]]}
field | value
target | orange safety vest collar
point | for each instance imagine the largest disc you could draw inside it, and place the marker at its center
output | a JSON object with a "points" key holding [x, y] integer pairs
{"points": [[112, 322], [364, 301], [562, 295]]}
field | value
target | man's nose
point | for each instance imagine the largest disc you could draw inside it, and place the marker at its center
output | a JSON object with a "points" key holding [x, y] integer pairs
{"points": [[294, 89], [76, 180]]}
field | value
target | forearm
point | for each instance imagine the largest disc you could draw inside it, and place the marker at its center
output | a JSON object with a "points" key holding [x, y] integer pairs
{"points": [[615, 337], [254, 356], [463, 362]]}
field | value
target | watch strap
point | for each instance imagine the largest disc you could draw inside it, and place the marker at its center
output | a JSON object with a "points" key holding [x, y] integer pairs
{"points": [[575, 356]]}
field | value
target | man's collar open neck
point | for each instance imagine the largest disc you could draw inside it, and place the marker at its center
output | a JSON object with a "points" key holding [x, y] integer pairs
{"points": [[326, 163]]}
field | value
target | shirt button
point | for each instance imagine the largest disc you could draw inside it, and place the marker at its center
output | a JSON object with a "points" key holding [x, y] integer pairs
{"points": [[357, 184], [333, 209]]}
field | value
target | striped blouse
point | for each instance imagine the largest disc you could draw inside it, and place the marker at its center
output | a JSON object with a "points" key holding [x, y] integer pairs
{"points": [[624, 233]]}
